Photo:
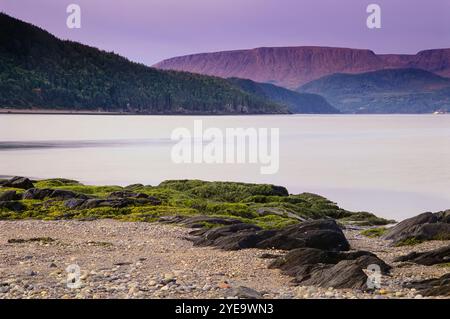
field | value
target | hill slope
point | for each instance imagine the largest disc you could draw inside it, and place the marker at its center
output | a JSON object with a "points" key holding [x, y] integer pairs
{"points": [[39, 70], [385, 91], [291, 67], [304, 103]]}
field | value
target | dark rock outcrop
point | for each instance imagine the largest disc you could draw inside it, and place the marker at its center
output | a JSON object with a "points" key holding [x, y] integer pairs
{"points": [[19, 182], [42, 193], [9, 196], [316, 267], [432, 287], [321, 234], [89, 203], [427, 226], [36, 193], [433, 257], [144, 198]]}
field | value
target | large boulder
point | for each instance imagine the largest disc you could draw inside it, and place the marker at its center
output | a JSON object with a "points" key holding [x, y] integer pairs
{"points": [[323, 234], [19, 182], [317, 267], [345, 274], [37, 193], [432, 287], [428, 258], [424, 227], [211, 237]]}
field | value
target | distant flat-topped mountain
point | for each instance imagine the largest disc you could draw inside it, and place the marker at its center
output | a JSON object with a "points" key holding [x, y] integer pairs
{"points": [[384, 91], [291, 67]]}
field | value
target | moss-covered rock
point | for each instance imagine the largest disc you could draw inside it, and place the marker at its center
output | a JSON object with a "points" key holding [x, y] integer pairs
{"points": [[264, 205]]}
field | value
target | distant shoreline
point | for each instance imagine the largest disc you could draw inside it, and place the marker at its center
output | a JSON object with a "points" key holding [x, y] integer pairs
{"points": [[74, 112]]}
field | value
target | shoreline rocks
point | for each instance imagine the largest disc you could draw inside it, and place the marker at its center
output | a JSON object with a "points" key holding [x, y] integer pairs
{"points": [[153, 260], [428, 258], [432, 287], [18, 182], [315, 267], [424, 227], [322, 234]]}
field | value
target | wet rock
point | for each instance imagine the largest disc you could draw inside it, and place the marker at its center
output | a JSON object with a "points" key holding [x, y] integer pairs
{"points": [[19, 182], [9, 196], [432, 287], [311, 266], [424, 227], [232, 237], [324, 234], [433, 257], [242, 292]]}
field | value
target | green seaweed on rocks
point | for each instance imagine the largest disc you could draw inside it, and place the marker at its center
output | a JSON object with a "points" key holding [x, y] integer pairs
{"points": [[374, 232], [267, 206], [412, 241]]}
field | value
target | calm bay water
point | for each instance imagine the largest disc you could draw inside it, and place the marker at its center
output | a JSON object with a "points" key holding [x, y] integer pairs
{"points": [[393, 165]]}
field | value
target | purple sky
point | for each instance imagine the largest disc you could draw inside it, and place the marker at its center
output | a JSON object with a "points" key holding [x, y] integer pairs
{"points": [[151, 30]]}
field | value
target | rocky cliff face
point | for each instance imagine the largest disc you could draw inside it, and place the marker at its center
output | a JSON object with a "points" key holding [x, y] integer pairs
{"points": [[293, 66]]}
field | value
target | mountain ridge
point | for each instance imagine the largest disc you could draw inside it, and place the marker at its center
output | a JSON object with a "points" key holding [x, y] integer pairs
{"points": [[384, 91], [292, 66]]}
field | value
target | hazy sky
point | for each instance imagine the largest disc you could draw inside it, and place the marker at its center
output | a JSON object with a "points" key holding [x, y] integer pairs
{"points": [[151, 30]]}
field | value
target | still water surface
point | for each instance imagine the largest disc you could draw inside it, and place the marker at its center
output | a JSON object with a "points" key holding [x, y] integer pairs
{"points": [[393, 165]]}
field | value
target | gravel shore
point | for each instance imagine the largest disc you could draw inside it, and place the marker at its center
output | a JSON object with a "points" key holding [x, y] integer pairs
{"points": [[143, 260]]}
